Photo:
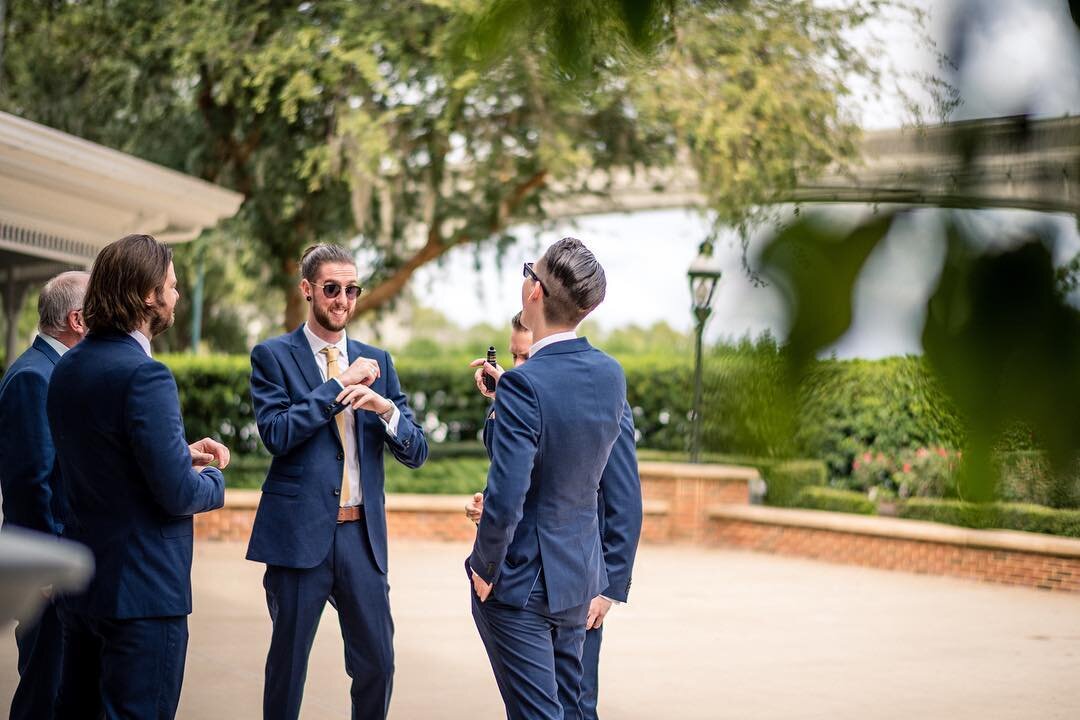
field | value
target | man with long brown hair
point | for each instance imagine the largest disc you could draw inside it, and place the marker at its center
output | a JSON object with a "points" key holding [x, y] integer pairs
{"points": [[133, 483]]}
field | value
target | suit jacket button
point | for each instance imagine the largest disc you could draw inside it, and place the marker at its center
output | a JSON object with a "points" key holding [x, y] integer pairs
{"points": [[337, 491], [329, 409], [341, 456]]}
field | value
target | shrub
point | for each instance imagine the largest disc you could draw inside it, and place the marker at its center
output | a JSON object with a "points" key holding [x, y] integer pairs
{"points": [[1011, 516], [215, 399], [1027, 476], [848, 406], [826, 498], [785, 481]]}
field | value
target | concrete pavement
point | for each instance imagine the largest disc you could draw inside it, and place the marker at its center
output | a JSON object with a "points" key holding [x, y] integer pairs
{"points": [[709, 634]]}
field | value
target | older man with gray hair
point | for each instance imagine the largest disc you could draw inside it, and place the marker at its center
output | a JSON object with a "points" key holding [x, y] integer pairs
{"points": [[29, 477]]}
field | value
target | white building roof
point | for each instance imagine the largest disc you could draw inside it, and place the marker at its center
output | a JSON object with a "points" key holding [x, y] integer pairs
{"points": [[63, 198]]}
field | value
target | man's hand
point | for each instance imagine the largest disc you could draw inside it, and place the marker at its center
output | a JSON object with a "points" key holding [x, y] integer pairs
{"points": [[475, 508], [598, 610], [361, 397], [363, 371], [482, 588], [483, 366], [206, 451]]}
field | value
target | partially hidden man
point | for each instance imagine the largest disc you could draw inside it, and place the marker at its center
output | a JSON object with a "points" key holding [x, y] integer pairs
{"points": [[132, 483], [537, 562], [327, 407], [30, 477]]}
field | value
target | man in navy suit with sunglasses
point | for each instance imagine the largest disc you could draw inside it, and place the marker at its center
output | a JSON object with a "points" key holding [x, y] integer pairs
{"points": [[538, 564], [327, 407]]}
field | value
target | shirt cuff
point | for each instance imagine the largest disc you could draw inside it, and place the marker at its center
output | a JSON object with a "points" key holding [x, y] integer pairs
{"points": [[613, 602], [339, 383], [392, 423]]}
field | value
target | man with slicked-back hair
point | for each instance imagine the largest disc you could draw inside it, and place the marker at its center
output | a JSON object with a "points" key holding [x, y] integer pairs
{"points": [[538, 563], [132, 482]]}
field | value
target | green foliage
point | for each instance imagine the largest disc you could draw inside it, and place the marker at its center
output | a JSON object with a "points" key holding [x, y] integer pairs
{"points": [[1008, 516], [787, 481], [826, 498], [457, 476], [418, 127], [1029, 477], [850, 407], [1006, 342], [215, 399]]}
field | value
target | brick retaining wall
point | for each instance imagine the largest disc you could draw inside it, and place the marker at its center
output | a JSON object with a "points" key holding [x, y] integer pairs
{"points": [[997, 556], [708, 504]]}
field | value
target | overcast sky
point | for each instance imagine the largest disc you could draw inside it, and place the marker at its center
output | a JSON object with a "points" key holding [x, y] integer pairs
{"points": [[1022, 57]]}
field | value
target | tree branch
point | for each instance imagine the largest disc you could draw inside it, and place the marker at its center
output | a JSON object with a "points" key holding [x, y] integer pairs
{"points": [[436, 247]]}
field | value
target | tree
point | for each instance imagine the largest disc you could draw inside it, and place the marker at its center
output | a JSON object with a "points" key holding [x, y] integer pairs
{"points": [[376, 124]]}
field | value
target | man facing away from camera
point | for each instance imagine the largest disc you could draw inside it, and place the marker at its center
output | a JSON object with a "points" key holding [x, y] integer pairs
{"points": [[538, 563], [327, 407], [619, 514], [132, 484]]}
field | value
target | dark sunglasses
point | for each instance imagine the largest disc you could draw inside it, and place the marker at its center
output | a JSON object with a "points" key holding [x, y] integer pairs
{"points": [[331, 290], [527, 271]]}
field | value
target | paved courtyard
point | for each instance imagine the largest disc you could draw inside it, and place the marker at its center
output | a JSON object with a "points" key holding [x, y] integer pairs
{"points": [[709, 634]]}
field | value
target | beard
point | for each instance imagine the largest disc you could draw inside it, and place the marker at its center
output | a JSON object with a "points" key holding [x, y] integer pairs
{"points": [[162, 318], [327, 321]]}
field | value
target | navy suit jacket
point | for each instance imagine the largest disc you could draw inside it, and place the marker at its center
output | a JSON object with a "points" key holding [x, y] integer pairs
{"points": [[29, 476], [295, 410], [115, 419], [557, 418], [619, 510]]}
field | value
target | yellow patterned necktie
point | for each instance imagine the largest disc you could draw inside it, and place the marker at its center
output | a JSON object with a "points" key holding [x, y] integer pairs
{"points": [[333, 371]]}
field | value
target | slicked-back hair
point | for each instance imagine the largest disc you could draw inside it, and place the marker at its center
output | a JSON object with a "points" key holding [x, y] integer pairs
{"points": [[515, 323], [318, 255], [124, 273], [58, 298], [575, 282]]}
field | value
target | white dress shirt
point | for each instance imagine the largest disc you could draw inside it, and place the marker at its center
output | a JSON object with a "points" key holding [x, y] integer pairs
{"points": [[352, 466], [55, 344], [551, 340], [144, 342]]}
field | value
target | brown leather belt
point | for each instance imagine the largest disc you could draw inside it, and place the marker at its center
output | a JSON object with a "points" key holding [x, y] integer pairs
{"points": [[349, 514]]}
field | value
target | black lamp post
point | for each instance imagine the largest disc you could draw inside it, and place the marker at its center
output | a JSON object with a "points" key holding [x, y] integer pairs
{"points": [[703, 281]]}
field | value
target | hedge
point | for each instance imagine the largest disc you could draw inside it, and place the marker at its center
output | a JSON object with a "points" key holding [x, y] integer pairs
{"points": [[826, 498], [841, 409], [785, 482], [1008, 516], [843, 405]]}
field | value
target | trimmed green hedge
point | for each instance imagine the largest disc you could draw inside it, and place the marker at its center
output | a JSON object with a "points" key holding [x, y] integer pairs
{"points": [[786, 481], [215, 399], [1007, 516], [826, 498], [843, 407]]}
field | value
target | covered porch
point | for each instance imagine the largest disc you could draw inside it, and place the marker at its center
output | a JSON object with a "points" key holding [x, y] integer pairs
{"points": [[63, 198]]}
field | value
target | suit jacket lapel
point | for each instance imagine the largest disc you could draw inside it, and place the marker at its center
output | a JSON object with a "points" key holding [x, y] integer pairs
{"points": [[305, 359]]}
